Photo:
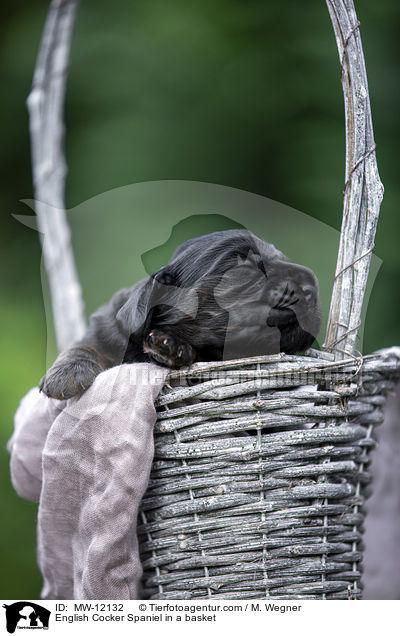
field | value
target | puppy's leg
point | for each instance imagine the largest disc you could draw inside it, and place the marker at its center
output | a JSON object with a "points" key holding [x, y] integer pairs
{"points": [[167, 349], [74, 371]]}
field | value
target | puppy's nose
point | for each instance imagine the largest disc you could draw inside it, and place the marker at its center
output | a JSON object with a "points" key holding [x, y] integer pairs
{"points": [[308, 291]]}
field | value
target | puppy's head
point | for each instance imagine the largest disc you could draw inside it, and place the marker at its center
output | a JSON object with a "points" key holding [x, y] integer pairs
{"points": [[230, 294]]}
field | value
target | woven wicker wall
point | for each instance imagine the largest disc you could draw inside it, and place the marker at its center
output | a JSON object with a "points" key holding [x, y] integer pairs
{"points": [[259, 479]]}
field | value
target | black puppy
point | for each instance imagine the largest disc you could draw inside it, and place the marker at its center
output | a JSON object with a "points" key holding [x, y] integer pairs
{"points": [[223, 295]]}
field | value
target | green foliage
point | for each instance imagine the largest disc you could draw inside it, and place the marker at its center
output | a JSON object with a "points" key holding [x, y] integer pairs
{"points": [[22, 345]]}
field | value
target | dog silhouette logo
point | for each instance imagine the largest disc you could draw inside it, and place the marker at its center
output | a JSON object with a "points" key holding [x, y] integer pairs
{"points": [[26, 615]]}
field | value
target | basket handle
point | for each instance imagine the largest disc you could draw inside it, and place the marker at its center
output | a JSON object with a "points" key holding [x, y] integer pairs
{"points": [[363, 190], [46, 122]]}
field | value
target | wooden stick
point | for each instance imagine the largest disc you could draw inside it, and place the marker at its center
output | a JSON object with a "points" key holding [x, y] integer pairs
{"points": [[46, 108], [363, 190]]}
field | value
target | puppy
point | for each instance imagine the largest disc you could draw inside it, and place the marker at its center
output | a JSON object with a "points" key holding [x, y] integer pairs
{"points": [[223, 295]]}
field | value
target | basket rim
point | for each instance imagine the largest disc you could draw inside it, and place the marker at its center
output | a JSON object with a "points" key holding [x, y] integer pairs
{"points": [[313, 360]]}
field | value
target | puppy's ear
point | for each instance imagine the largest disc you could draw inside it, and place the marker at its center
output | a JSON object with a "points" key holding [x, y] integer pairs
{"points": [[136, 313]]}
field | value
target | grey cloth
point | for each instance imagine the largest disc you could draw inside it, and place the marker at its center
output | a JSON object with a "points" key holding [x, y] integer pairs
{"points": [[87, 461]]}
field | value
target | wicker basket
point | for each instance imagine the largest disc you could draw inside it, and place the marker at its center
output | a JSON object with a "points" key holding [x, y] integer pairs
{"points": [[261, 465], [260, 478]]}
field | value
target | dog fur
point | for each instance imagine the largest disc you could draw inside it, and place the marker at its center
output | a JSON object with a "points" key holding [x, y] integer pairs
{"points": [[222, 295]]}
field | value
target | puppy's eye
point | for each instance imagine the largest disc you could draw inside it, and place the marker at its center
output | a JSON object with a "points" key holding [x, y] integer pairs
{"points": [[165, 277], [308, 291], [261, 267], [168, 279]]}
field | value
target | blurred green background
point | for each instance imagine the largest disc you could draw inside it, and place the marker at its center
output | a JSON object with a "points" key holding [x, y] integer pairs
{"points": [[243, 94]]}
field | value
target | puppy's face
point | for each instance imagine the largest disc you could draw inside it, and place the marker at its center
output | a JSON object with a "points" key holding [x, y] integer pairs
{"points": [[245, 297], [272, 305]]}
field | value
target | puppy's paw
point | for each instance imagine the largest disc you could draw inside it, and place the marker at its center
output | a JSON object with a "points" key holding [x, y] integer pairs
{"points": [[168, 350], [69, 379], [279, 317]]}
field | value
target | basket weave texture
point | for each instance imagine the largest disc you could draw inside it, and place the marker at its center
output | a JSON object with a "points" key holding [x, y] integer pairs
{"points": [[260, 476]]}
